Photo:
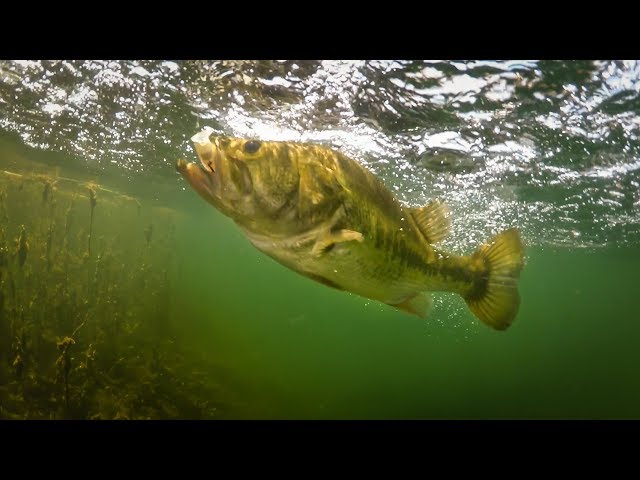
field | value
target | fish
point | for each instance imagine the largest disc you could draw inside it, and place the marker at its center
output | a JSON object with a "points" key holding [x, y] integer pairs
{"points": [[327, 217]]}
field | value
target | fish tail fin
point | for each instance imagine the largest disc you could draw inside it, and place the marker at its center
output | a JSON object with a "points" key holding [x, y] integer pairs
{"points": [[495, 300]]}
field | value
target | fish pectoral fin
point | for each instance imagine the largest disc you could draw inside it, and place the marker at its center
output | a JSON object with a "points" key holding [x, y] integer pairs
{"points": [[327, 241], [419, 304], [432, 220], [347, 236]]}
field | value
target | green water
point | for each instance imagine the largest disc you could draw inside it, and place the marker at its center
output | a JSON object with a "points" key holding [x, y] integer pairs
{"points": [[192, 322], [313, 352]]}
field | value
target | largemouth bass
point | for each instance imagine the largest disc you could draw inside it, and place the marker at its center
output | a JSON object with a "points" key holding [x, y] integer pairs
{"points": [[329, 218]]}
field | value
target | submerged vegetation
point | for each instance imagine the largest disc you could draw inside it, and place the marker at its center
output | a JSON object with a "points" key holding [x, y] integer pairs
{"points": [[85, 303]]}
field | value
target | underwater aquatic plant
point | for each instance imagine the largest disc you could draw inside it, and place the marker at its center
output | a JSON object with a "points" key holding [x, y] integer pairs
{"points": [[63, 365], [4, 250], [22, 246], [18, 366], [115, 286], [63, 362], [4, 216], [93, 202], [46, 191], [147, 234], [49, 245]]}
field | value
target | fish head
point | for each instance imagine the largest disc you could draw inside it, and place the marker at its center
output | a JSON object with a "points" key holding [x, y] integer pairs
{"points": [[249, 180]]}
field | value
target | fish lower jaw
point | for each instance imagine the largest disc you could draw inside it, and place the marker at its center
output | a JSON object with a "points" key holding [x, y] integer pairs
{"points": [[182, 165]]}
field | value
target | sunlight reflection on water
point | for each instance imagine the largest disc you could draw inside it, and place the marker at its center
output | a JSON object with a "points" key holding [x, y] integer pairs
{"points": [[550, 147]]}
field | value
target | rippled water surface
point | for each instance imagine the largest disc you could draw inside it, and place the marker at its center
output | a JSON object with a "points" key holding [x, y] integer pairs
{"points": [[549, 147]]}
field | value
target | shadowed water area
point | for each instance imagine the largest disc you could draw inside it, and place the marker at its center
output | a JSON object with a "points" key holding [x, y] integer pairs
{"points": [[124, 295]]}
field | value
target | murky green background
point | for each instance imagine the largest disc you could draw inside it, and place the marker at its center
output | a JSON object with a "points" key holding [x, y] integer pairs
{"points": [[175, 315]]}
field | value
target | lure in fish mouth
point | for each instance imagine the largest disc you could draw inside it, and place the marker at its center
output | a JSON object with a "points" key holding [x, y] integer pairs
{"points": [[207, 151], [202, 179], [327, 217]]}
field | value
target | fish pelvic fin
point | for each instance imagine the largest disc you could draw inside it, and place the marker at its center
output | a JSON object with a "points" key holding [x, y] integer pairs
{"points": [[495, 300], [419, 304], [432, 220]]}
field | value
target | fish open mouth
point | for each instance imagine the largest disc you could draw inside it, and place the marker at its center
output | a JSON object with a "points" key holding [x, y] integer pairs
{"points": [[202, 178], [207, 151]]}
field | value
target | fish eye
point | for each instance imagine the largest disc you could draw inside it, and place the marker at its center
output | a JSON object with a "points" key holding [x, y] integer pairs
{"points": [[252, 146]]}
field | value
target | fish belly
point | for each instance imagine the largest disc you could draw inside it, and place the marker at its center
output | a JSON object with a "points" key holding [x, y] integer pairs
{"points": [[355, 268]]}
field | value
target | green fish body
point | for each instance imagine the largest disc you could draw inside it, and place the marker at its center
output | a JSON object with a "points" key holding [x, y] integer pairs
{"points": [[327, 217]]}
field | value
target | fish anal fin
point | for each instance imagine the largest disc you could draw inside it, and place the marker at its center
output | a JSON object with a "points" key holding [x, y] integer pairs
{"points": [[327, 241], [432, 220], [418, 304]]}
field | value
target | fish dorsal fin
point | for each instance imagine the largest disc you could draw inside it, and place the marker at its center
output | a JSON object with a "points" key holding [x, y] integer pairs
{"points": [[432, 220]]}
